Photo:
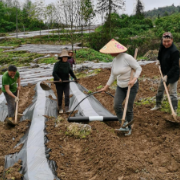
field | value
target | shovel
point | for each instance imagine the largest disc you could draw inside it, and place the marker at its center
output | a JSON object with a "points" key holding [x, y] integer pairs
{"points": [[45, 87], [127, 97], [11, 123], [169, 100]]}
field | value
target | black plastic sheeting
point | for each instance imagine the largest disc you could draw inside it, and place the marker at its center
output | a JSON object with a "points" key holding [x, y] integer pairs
{"points": [[34, 154], [89, 107]]}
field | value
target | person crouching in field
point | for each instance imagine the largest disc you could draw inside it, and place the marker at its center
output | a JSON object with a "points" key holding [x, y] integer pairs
{"points": [[61, 72], [168, 59], [9, 87], [122, 66]]}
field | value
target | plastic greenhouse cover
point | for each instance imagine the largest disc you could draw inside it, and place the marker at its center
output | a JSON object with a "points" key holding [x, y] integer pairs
{"points": [[34, 154]]}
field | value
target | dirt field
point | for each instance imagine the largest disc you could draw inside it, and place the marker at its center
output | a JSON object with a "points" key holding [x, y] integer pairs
{"points": [[151, 153], [9, 136]]}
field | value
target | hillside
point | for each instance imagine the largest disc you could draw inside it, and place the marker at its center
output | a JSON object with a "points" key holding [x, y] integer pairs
{"points": [[162, 11]]}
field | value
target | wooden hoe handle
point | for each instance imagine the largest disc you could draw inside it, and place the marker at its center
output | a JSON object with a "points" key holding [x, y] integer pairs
{"points": [[128, 92], [17, 103], [166, 89]]}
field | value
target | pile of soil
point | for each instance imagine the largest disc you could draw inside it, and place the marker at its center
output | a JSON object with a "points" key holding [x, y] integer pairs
{"points": [[151, 153], [10, 136]]}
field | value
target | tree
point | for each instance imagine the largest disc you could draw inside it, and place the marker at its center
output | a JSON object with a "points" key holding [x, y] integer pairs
{"points": [[107, 7], [139, 9]]}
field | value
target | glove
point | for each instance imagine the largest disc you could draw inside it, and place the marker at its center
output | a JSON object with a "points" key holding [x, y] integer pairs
{"points": [[16, 99], [157, 62], [164, 79]]}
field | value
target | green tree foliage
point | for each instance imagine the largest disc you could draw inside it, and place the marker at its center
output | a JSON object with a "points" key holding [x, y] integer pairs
{"points": [[8, 17], [162, 11], [139, 9], [168, 23]]}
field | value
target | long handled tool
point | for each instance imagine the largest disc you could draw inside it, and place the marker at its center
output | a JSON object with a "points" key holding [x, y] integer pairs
{"points": [[10, 121], [170, 103], [128, 92], [45, 87], [17, 105]]}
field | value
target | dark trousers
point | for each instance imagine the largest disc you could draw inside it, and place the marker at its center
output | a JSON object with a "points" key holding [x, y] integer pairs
{"points": [[63, 88], [119, 98], [11, 104]]}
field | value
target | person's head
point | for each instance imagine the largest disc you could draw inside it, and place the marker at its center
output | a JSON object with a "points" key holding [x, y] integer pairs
{"points": [[70, 53], [64, 55], [12, 71], [167, 39]]}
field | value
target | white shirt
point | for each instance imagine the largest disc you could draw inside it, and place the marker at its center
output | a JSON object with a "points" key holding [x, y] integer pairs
{"points": [[121, 69]]}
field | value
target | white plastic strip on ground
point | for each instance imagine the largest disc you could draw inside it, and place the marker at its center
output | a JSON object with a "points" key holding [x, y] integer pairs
{"points": [[37, 164], [2, 98], [86, 106], [96, 118]]}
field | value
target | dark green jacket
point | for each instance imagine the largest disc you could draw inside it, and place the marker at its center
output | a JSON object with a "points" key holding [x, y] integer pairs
{"points": [[62, 70]]}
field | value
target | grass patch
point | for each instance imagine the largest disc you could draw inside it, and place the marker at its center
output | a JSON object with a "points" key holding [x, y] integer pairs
{"points": [[49, 60], [80, 131], [17, 58], [92, 55], [152, 101]]}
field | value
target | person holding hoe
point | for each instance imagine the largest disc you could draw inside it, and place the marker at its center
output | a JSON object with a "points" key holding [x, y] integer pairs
{"points": [[168, 60], [9, 87], [61, 72], [122, 67]]}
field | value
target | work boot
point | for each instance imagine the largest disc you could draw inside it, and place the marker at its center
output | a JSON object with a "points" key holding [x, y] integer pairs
{"points": [[156, 107], [60, 110]]}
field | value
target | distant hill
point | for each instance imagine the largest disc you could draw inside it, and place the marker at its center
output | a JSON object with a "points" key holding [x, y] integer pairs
{"points": [[162, 11]]}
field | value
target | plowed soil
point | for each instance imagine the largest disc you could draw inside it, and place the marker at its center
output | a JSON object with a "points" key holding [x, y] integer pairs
{"points": [[9, 136], [152, 152]]}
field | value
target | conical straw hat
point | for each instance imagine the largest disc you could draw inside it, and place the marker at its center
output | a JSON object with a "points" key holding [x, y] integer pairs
{"points": [[113, 47]]}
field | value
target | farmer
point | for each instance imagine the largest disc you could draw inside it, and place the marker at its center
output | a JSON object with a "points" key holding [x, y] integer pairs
{"points": [[71, 60], [168, 59], [122, 65], [61, 72], [9, 87]]}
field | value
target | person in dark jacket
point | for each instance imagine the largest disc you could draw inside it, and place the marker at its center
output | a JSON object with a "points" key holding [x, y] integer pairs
{"points": [[61, 72], [168, 59]]}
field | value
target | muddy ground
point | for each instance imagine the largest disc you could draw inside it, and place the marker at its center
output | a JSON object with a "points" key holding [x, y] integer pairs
{"points": [[9, 136], [152, 152]]}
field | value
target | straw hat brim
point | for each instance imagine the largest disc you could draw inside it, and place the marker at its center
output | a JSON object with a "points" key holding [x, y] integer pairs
{"points": [[64, 54], [113, 47]]}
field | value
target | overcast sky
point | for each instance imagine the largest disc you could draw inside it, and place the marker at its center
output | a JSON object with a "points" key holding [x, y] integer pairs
{"points": [[149, 4]]}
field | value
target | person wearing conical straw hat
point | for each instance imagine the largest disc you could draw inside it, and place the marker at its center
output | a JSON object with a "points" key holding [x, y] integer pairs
{"points": [[122, 65], [61, 72]]}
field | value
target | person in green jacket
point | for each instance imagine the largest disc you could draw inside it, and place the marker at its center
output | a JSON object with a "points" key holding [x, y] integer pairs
{"points": [[9, 87], [61, 72]]}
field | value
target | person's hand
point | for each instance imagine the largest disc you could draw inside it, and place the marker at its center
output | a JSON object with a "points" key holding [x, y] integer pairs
{"points": [[60, 80], [16, 99], [104, 89], [157, 62], [19, 88], [131, 83], [164, 79]]}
